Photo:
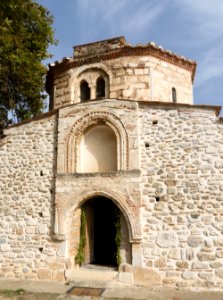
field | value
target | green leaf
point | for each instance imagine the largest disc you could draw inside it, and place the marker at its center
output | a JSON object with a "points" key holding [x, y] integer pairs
{"points": [[26, 33]]}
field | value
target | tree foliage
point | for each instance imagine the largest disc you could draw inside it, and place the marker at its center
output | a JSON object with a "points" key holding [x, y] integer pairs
{"points": [[25, 34]]}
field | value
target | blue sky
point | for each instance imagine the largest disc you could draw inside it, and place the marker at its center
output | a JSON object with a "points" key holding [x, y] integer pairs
{"points": [[192, 28]]}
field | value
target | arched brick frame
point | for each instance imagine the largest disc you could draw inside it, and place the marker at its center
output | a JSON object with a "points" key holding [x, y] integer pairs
{"points": [[72, 158], [90, 74], [131, 213], [67, 210]]}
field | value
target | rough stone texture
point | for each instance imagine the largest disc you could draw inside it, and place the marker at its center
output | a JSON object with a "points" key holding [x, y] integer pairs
{"points": [[27, 166], [194, 241], [147, 277], [188, 159], [168, 184], [189, 275], [166, 239]]}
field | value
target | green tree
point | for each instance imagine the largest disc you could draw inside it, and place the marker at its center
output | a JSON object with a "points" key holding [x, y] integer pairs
{"points": [[25, 34]]}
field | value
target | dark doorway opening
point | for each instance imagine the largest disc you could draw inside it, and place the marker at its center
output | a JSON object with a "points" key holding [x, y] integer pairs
{"points": [[101, 231]]}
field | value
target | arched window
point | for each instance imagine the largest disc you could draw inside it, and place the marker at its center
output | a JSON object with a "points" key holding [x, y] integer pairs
{"points": [[174, 95], [100, 87], [98, 150], [85, 91]]}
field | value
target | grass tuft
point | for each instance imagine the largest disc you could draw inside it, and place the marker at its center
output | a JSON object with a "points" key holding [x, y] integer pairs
{"points": [[11, 293]]}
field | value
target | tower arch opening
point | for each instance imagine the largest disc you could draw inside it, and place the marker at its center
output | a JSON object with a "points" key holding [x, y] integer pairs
{"points": [[85, 91], [174, 95], [100, 87]]}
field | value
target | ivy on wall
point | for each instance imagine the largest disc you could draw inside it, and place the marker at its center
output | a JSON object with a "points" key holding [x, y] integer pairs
{"points": [[79, 259], [118, 236]]}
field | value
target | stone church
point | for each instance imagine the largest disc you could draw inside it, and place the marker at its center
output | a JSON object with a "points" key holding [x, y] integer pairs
{"points": [[123, 171]]}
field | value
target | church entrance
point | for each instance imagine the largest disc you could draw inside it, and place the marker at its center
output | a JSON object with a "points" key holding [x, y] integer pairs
{"points": [[102, 219]]}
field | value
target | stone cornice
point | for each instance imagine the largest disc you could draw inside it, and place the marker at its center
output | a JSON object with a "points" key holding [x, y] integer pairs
{"points": [[217, 109], [36, 118], [163, 105]]}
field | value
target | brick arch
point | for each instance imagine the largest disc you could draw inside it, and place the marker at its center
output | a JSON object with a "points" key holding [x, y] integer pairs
{"points": [[130, 213], [90, 73], [72, 160], [101, 68]]}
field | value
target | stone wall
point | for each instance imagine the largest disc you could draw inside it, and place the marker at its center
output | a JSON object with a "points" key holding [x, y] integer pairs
{"points": [[182, 188], [169, 188], [27, 166], [142, 78]]}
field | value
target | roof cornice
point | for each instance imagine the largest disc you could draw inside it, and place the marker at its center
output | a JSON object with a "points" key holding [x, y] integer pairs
{"points": [[140, 50]]}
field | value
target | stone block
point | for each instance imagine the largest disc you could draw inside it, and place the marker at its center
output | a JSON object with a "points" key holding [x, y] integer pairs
{"points": [[187, 254], [219, 254], [195, 241], [2, 241], [174, 253], [167, 239], [219, 273], [216, 265], [189, 275], [125, 277], [44, 274], [182, 264], [206, 275], [19, 231], [160, 263], [5, 248], [42, 228], [29, 211], [146, 277], [60, 275], [199, 265], [126, 268], [62, 249], [206, 256]]}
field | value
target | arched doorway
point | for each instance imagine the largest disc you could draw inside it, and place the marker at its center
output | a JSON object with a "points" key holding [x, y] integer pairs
{"points": [[106, 233]]}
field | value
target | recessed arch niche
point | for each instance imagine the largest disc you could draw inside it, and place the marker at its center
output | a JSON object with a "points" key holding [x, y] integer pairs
{"points": [[98, 149], [80, 138]]}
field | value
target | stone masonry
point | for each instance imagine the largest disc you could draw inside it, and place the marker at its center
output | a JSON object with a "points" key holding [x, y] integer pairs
{"points": [[168, 176]]}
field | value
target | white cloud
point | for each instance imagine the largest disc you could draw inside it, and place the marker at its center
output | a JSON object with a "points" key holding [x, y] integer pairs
{"points": [[205, 23], [210, 65], [205, 16], [117, 17], [142, 17]]}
